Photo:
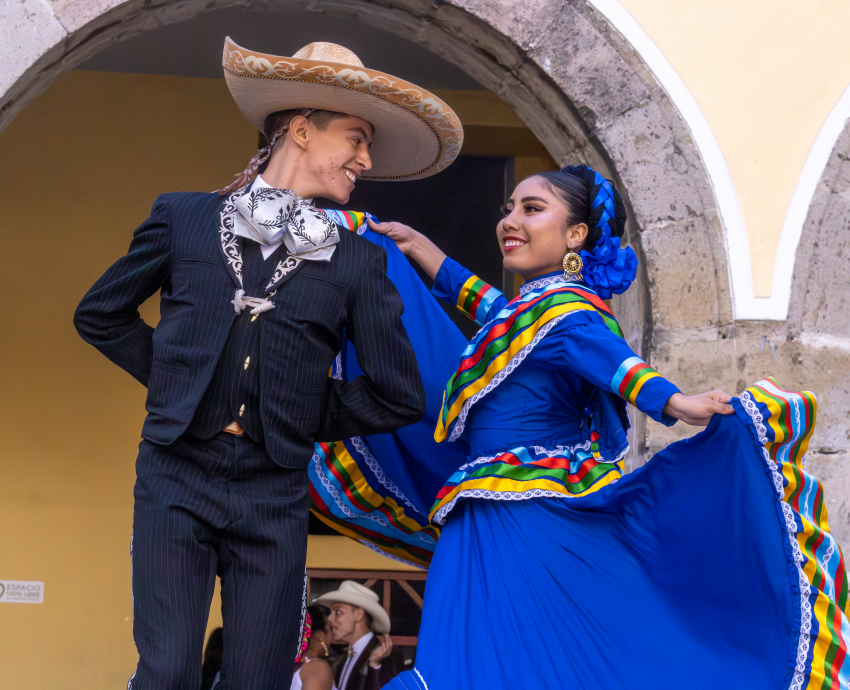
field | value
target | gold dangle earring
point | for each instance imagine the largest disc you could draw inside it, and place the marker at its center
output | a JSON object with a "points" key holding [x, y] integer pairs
{"points": [[572, 267]]}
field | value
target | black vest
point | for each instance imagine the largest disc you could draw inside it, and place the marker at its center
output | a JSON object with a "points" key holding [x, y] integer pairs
{"points": [[234, 391]]}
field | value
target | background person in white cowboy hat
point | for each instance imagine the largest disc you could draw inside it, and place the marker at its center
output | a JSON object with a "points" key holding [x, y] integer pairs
{"points": [[358, 620], [259, 293]]}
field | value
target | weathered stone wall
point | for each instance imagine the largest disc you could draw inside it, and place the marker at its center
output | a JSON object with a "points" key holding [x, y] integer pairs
{"points": [[588, 97]]}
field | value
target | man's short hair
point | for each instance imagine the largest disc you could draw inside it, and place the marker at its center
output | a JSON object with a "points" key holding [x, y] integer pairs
{"points": [[275, 122]]}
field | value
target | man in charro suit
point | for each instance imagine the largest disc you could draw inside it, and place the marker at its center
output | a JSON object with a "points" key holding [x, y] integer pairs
{"points": [[259, 291], [359, 622]]}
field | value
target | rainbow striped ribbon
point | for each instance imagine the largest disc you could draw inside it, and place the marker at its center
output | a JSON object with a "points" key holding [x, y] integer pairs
{"points": [[631, 377], [499, 342], [784, 422], [475, 299], [350, 220], [347, 495], [571, 472]]}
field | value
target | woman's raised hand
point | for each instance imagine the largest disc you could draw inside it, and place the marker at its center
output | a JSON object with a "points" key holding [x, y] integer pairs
{"points": [[697, 410], [413, 245], [403, 235]]}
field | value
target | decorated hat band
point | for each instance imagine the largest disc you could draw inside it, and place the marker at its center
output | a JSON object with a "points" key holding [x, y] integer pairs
{"points": [[416, 133]]}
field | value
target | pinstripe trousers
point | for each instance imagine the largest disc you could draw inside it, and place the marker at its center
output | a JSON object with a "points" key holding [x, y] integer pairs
{"points": [[217, 506]]}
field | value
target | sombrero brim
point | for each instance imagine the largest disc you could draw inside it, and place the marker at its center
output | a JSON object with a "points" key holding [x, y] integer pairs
{"points": [[416, 133], [380, 619]]}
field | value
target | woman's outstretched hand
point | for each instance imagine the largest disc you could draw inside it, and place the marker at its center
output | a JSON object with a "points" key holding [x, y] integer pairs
{"points": [[697, 410], [413, 245], [403, 235]]}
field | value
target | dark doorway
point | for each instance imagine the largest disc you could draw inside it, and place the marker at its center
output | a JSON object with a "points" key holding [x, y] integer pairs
{"points": [[458, 209]]}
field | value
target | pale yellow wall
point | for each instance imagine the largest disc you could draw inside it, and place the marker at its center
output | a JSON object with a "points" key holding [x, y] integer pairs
{"points": [[766, 74], [80, 169], [326, 551]]}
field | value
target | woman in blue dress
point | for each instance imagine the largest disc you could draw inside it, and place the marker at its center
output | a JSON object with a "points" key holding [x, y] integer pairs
{"points": [[711, 566]]}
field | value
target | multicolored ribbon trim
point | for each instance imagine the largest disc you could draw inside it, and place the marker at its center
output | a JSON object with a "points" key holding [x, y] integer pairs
{"points": [[631, 377], [528, 473], [475, 299], [351, 493], [500, 345], [784, 422], [350, 220]]}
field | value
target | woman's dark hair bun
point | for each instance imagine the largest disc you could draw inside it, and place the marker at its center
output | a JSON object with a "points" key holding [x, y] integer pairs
{"points": [[581, 189], [595, 182]]}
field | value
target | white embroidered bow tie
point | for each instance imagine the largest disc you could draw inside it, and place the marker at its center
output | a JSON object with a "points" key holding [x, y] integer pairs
{"points": [[269, 216]]}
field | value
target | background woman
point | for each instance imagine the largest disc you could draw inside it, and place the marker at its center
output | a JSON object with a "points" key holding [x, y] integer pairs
{"points": [[313, 672]]}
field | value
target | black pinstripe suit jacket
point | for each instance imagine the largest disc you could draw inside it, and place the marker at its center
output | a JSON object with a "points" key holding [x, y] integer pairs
{"points": [[188, 250]]}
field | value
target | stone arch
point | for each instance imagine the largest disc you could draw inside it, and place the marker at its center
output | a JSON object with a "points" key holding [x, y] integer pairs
{"points": [[818, 327], [819, 314], [575, 81]]}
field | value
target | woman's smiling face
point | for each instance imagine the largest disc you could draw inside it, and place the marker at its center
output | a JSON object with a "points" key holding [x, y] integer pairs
{"points": [[534, 235]]}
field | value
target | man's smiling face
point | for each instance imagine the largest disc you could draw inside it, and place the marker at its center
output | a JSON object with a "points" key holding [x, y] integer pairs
{"points": [[337, 155]]}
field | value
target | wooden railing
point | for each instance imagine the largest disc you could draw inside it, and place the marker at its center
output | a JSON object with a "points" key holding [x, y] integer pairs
{"points": [[370, 578]]}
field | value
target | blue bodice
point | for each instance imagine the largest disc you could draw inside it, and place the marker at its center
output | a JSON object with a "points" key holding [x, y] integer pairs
{"points": [[562, 390], [533, 405]]}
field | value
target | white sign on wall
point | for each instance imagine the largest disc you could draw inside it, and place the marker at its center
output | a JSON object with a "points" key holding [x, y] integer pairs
{"points": [[19, 592]]}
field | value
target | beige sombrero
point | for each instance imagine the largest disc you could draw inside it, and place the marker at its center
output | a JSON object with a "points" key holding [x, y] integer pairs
{"points": [[355, 594], [416, 133]]}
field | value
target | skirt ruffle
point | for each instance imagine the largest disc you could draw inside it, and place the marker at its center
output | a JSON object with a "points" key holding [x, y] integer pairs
{"points": [[710, 567]]}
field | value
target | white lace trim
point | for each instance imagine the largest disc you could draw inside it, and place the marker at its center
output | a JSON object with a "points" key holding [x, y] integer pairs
{"points": [[379, 473], [376, 549], [751, 408], [337, 367], [487, 494], [540, 450], [338, 500], [829, 581], [303, 615], [517, 359], [561, 450], [479, 461], [331, 489], [287, 265], [227, 236], [622, 454], [525, 288], [551, 280]]}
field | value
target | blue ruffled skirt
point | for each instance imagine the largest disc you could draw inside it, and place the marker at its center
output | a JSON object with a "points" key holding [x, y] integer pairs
{"points": [[711, 567], [683, 574]]}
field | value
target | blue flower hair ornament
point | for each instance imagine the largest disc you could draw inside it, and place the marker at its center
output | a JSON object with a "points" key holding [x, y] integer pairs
{"points": [[608, 268]]}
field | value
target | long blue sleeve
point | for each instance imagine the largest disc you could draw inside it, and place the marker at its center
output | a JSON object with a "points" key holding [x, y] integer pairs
{"points": [[582, 343], [475, 298], [586, 345]]}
